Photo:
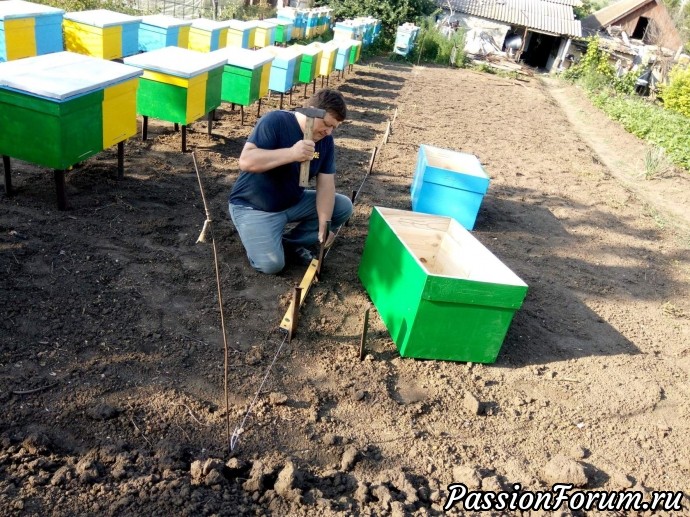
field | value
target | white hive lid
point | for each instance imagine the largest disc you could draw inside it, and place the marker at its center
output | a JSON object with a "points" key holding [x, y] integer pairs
{"points": [[101, 18], [180, 62], [20, 9], [62, 75], [244, 58], [165, 21]]}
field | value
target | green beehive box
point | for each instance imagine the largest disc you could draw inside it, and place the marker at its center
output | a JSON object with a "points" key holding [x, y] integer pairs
{"points": [[439, 291], [242, 74], [52, 107], [49, 133], [308, 64], [240, 86]]}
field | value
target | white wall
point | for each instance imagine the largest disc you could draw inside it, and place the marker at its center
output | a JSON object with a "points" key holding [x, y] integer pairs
{"points": [[482, 36]]}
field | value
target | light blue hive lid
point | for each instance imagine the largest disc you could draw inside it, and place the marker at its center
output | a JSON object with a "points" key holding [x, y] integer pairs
{"points": [[62, 75], [180, 62], [20, 9], [164, 21], [243, 58], [101, 18]]}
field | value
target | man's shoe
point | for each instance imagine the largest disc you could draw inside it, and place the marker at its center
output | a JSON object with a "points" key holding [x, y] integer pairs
{"points": [[301, 256]]}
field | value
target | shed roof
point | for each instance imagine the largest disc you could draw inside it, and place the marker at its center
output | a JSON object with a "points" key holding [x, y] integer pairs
{"points": [[610, 14], [550, 16]]}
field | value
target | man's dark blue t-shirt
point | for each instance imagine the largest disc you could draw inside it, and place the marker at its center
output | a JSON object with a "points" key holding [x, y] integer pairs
{"points": [[278, 189]]}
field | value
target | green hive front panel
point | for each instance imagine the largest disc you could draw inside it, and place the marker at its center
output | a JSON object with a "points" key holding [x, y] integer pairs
{"points": [[240, 85], [307, 69], [48, 133], [298, 66], [162, 101], [214, 84], [280, 34], [457, 332]]}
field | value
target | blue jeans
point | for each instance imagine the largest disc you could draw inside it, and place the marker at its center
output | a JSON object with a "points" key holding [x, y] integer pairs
{"points": [[263, 233]]}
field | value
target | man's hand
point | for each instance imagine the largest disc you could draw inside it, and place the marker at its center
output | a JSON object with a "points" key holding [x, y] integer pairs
{"points": [[303, 150], [331, 237]]}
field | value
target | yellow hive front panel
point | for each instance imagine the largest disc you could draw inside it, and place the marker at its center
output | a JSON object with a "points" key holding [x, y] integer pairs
{"points": [[234, 38], [167, 79], [265, 74], [119, 112], [262, 38], [105, 43], [20, 38], [223, 38], [327, 63], [183, 37], [196, 97], [199, 40], [252, 37]]}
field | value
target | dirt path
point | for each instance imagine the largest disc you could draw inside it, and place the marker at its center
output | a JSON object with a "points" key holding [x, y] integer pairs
{"points": [[110, 314], [623, 154]]}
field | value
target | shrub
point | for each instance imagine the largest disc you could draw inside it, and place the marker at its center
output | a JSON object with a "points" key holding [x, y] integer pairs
{"points": [[676, 94]]}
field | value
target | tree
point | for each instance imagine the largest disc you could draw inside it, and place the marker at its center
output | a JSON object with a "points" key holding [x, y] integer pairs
{"points": [[392, 13]]}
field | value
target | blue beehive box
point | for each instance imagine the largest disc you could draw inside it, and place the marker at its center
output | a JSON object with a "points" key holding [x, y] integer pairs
{"points": [[342, 59], [160, 30], [449, 183], [28, 29], [286, 61]]}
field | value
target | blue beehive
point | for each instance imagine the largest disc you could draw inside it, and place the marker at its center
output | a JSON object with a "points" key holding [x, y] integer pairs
{"points": [[285, 63], [28, 29], [405, 38], [160, 30], [448, 183], [342, 59]]}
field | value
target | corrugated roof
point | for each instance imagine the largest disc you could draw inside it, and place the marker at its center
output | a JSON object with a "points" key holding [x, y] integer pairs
{"points": [[610, 14], [550, 16]]}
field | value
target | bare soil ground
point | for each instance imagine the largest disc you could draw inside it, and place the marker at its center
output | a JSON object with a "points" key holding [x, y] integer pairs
{"points": [[111, 357]]}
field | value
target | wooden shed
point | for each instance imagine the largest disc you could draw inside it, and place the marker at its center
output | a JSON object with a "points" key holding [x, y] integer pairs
{"points": [[646, 20]]}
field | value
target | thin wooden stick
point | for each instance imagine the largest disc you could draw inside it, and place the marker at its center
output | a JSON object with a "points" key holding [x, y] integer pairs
{"points": [[35, 390], [208, 226]]}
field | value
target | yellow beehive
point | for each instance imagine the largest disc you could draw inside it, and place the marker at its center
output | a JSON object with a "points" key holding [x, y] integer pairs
{"points": [[326, 64], [105, 42]]}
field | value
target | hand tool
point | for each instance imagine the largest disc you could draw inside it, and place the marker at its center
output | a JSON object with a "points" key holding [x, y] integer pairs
{"points": [[311, 114]]}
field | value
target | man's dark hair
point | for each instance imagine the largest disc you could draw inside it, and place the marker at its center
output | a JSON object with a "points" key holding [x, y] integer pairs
{"points": [[330, 100]]}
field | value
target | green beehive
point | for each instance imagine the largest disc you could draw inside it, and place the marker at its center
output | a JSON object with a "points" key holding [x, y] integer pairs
{"points": [[52, 107], [49, 133], [242, 74], [178, 85], [439, 291], [309, 63]]}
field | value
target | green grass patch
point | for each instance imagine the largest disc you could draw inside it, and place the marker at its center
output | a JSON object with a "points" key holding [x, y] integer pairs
{"points": [[663, 128]]}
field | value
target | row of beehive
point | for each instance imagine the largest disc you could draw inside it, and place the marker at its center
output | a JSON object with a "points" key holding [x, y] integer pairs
{"points": [[28, 29], [49, 100], [364, 29], [439, 291]]}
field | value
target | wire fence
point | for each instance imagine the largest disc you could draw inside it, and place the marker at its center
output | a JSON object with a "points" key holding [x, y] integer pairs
{"points": [[181, 9]]}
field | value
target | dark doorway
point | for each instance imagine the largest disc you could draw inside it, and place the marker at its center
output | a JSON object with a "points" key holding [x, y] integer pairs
{"points": [[538, 50], [640, 28]]}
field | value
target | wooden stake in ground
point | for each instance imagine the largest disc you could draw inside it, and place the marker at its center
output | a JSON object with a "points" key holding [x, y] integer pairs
{"points": [[205, 231]]}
